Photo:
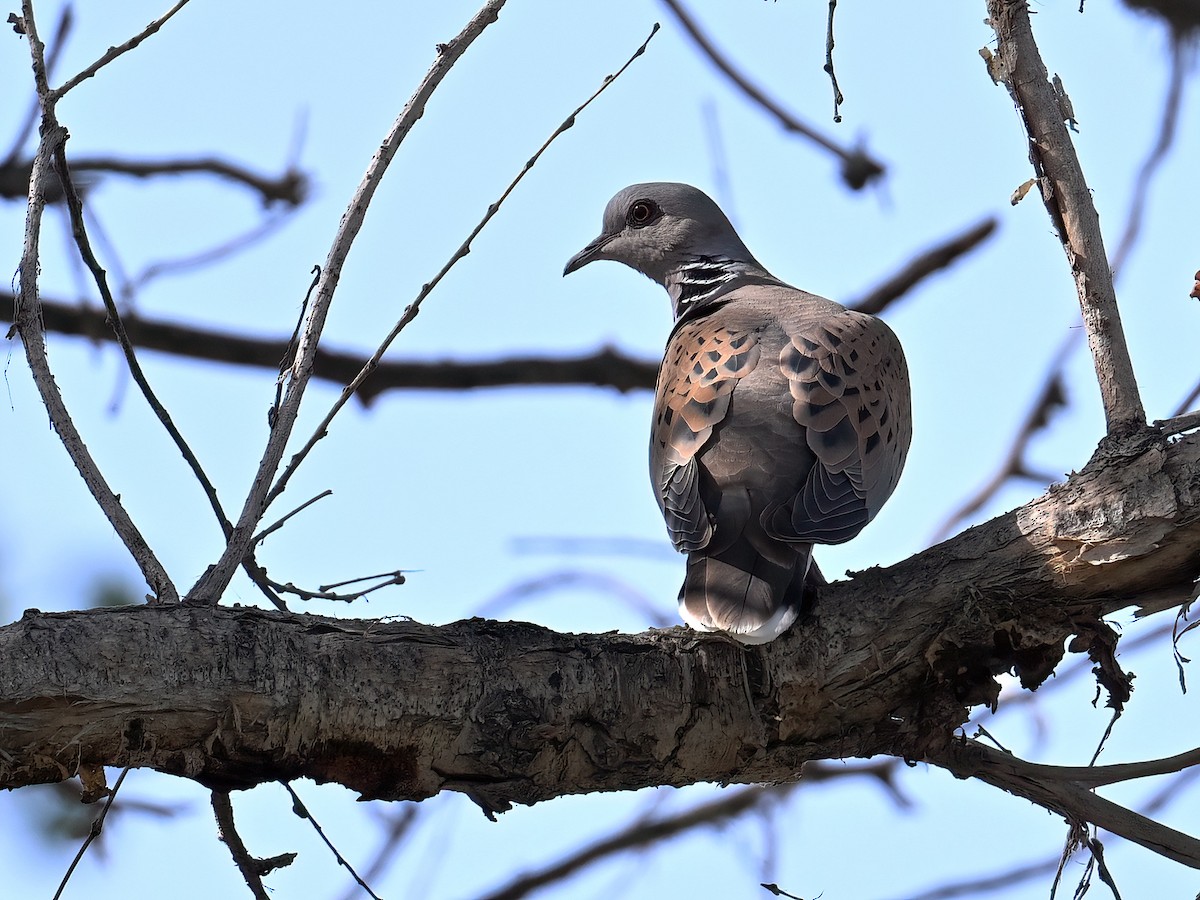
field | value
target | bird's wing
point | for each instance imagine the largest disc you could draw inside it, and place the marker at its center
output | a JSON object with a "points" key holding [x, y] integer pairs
{"points": [[850, 392], [704, 362]]}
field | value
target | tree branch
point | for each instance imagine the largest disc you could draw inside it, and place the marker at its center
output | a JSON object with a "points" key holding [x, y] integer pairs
{"points": [[642, 834], [922, 266], [1068, 200], [27, 322], [889, 662], [858, 168], [1068, 797], [251, 868], [113, 52], [605, 368], [94, 831], [410, 311], [211, 585]]}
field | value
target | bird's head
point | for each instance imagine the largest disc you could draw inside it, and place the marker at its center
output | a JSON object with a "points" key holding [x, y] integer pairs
{"points": [[655, 228]]}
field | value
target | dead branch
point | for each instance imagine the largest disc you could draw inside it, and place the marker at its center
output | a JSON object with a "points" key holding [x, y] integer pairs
{"points": [[971, 887], [252, 869], [1069, 797], [642, 834], [302, 811], [113, 317], [399, 823], [888, 663], [114, 52], [922, 266], [410, 311], [650, 831], [1180, 55], [858, 168], [28, 324], [94, 831], [211, 585], [604, 368], [1068, 201], [1048, 399], [25, 129], [838, 99], [290, 188]]}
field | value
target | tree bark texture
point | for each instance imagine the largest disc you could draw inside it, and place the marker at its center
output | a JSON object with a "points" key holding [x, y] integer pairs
{"points": [[890, 661]]}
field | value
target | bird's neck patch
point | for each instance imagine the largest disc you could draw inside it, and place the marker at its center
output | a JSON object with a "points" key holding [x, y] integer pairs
{"points": [[700, 280]]}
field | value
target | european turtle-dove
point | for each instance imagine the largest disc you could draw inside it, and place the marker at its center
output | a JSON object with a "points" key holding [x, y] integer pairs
{"points": [[781, 419]]}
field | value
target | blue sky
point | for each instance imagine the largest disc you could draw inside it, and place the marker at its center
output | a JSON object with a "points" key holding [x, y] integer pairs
{"points": [[450, 484]]}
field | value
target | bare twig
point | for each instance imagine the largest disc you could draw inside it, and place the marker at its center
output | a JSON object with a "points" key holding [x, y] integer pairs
{"points": [[79, 232], [1188, 402], [27, 322], [270, 223], [715, 141], [262, 535], [652, 831], [57, 43], [714, 812], [1091, 776], [410, 312], [252, 868], [1018, 874], [113, 52], [212, 583], [399, 823], [922, 266], [1067, 791], [1179, 424], [289, 188], [301, 810], [1068, 200], [1050, 397], [93, 832], [604, 582], [326, 592], [838, 99], [569, 545], [1158, 153], [858, 168], [605, 368], [972, 887]]}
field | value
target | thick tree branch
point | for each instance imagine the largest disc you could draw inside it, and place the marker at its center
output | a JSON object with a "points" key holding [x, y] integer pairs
{"points": [[889, 662], [1065, 193]]}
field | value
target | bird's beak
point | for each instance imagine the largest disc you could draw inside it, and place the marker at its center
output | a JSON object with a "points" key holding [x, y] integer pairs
{"points": [[590, 253]]}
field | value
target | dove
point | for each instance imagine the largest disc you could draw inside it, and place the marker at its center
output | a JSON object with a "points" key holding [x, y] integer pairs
{"points": [[781, 419]]}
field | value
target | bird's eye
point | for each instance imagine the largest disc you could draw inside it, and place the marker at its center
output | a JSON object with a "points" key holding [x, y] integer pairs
{"points": [[642, 212]]}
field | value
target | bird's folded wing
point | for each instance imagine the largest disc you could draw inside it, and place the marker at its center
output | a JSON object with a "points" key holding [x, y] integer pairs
{"points": [[703, 365], [849, 387]]}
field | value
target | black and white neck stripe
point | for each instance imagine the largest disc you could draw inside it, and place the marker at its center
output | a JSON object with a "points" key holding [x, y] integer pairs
{"points": [[701, 279]]}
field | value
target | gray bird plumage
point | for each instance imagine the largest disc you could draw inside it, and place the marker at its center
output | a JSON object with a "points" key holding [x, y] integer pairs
{"points": [[781, 419]]}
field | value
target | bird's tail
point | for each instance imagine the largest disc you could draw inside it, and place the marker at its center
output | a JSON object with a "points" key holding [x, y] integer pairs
{"points": [[739, 591]]}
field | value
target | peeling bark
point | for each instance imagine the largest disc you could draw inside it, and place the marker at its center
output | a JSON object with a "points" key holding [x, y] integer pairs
{"points": [[890, 662]]}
